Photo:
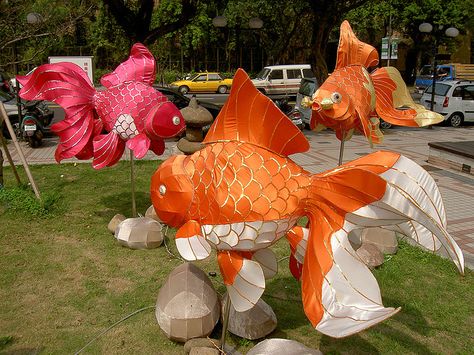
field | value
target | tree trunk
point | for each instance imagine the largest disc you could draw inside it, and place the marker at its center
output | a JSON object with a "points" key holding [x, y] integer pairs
{"points": [[321, 29]]}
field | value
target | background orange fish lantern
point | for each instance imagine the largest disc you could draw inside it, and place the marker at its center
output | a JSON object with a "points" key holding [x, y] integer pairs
{"points": [[352, 99], [241, 193]]}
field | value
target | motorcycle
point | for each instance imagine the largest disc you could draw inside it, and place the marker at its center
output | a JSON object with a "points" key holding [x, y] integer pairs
{"points": [[293, 114], [35, 120]]}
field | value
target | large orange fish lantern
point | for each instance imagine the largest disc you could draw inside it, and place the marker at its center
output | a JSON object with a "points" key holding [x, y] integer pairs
{"points": [[241, 193], [352, 99], [99, 124]]}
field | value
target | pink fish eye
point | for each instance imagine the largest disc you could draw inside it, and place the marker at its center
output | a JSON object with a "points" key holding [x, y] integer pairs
{"points": [[176, 120], [336, 97]]}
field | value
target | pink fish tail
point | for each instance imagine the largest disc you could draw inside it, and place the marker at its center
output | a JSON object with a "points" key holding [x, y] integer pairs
{"points": [[69, 86]]}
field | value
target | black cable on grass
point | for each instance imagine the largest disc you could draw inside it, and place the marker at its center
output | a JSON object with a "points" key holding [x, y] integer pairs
{"points": [[112, 326]]}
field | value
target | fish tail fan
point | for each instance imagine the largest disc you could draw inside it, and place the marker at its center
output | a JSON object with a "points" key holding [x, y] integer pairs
{"points": [[340, 294], [353, 51], [69, 86], [394, 103]]}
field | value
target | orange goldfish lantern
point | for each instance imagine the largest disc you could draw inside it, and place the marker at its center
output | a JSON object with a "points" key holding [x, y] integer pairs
{"points": [[352, 99], [241, 193]]}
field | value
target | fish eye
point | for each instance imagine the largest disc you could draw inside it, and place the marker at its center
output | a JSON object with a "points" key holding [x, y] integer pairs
{"points": [[176, 120], [336, 97], [162, 190]]}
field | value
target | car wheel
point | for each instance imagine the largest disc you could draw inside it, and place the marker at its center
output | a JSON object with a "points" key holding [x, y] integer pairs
{"points": [[385, 125], [183, 89], [222, 89], [456, 119]]}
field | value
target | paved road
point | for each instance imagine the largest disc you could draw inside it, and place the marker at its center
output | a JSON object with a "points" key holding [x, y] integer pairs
{"points": [[457, 188]]}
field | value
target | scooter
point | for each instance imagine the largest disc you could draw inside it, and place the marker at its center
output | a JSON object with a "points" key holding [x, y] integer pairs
{"points": [[293, 114], [36, 118]]}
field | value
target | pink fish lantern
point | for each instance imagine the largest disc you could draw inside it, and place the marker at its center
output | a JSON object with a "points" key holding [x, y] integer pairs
{"points": [[99, 124]]}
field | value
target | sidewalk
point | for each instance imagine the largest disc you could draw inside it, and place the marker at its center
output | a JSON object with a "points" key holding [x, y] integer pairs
{"points": [[457, 188]]}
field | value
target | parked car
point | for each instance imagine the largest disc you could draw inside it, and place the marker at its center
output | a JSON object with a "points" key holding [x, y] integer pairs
{"points": [[306, 90], [203, 82], [282, 79], [453, 99], [182, 101], [452, 71]]}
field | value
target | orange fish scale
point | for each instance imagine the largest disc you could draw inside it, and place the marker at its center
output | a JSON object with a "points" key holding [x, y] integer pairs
{"points": [[236, 192]]}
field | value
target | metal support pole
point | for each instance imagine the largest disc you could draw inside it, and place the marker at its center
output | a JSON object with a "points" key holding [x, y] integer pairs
{"points": [[132, 184], [225, 321], [341, 151], [433, 85]]}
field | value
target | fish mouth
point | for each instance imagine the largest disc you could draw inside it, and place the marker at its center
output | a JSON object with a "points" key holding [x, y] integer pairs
{"points": [[324, 104]]}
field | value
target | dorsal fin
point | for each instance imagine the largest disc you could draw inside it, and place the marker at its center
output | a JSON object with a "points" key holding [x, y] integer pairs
{"points": [[140, 66], [353, 51], [251, 117]]}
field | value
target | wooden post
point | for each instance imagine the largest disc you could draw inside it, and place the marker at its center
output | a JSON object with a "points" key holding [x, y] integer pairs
{"points": [[9, 157], [20, 152]]}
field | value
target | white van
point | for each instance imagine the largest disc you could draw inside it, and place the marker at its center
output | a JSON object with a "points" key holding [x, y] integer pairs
{"points": [[282, 79]]}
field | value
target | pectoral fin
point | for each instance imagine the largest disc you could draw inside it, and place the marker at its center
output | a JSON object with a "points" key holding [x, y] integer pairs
{"points": [[190, 242]]}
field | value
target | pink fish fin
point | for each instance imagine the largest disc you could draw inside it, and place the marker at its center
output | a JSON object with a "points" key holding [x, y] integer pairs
{"points": [[394, 103], [140, 66], [353, 51], [75, 133], [298, 239], [251, 117], [157, 146], [244, 278], [88, 151], [63, 83], [139, 144], [190, 242], [108, 149]]}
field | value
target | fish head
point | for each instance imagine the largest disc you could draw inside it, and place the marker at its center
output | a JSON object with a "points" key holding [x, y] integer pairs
{"points": [[332, 102], [172, 191], [164, 120]]}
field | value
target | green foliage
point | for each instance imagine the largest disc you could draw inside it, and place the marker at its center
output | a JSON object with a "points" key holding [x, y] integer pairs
{"points": [[22, 200], [4, 341]]}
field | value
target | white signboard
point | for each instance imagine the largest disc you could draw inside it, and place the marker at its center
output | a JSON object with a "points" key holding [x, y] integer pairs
{"points": [[85, 62], [393, 52]]}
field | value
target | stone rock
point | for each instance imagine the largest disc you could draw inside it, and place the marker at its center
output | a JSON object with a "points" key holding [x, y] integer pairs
{"points": [[355, 238], [194, 134], [282, 347], [255, 323], [201, 343], [151, 213], [204, 351], [188, 147], [370, 255], [115, 221], [139, 233], [187, 306], [195, 115], [385, 240]]}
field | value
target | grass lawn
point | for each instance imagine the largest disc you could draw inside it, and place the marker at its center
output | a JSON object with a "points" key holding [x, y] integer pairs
{"points": [[64, 278]]}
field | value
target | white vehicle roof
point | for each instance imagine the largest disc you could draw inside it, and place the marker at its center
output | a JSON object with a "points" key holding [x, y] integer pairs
{"points": [[289, 66]]}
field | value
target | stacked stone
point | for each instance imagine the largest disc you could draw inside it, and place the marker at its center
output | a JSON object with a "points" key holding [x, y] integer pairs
{"points": [[196, 117]]}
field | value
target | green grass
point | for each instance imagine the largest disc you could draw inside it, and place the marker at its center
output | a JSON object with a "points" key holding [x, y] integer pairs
{"points": [[64, 278]]}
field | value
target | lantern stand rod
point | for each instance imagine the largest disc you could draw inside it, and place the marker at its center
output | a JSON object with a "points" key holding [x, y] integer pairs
{"points": [[341, 150], [225, 320], [9, 158], [132, 184], [20, 152]]}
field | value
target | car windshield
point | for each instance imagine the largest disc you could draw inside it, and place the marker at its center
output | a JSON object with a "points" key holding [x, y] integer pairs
{"points": [[263, 74], [4, 97], [426, 70], [307, 88], [440, 89]]}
